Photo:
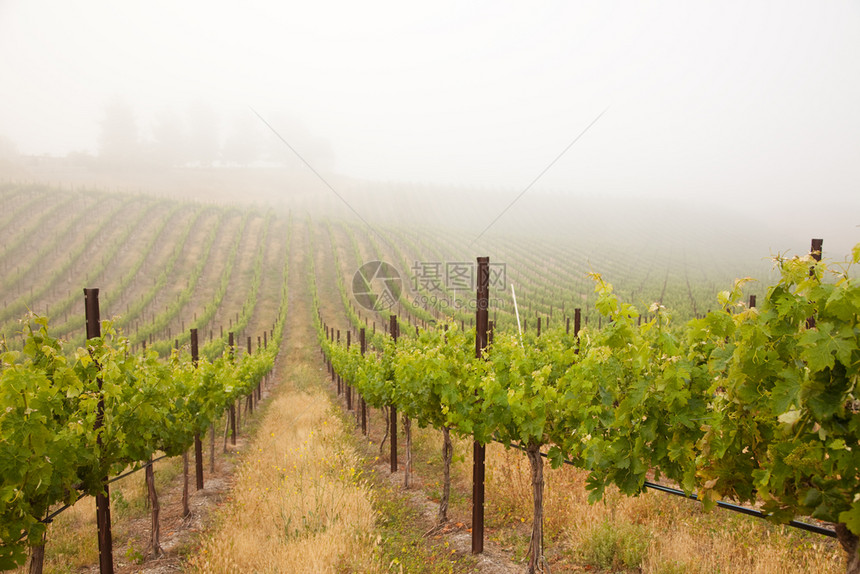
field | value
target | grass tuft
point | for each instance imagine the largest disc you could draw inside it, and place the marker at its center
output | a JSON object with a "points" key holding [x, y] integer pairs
{"points": [[615, 545]]}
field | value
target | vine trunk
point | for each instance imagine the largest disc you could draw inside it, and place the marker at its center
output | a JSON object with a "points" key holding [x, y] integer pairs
{"points": [[536, 558]]}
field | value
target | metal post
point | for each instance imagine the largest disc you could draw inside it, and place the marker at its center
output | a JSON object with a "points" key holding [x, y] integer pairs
{"points": [[362, 405], [348, 386], [334, 376], [479, 450], [232, 403], [91, 305], [815, 251], [392, 409], [198, 444]]}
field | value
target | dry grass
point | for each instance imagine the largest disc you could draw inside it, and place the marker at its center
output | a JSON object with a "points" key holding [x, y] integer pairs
{"points": [[300, 503], [72, 544], [71, 540], [652, 533]]}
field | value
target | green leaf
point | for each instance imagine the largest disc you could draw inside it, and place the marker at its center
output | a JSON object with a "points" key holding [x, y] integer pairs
{"points": [[789, 417], [819, 348], [836, 444], [851, 517], [786, 391], [844, 302]]}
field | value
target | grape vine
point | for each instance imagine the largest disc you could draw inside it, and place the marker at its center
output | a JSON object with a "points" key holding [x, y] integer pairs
{"points": [[756, 405]]}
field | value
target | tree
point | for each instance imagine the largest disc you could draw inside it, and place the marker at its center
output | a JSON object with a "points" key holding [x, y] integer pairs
{"points": [[8, 149], [170, 141], [315, 150], [242, 146], [119, 144], [203, 140]]}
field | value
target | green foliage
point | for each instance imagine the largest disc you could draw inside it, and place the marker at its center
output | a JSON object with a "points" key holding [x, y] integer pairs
{"points": [[787, 428], [755, 405], [51, 451], [432, 376]]}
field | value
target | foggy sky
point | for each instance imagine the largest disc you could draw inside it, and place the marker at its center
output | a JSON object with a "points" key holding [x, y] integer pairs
{"points": [[736, 102]]}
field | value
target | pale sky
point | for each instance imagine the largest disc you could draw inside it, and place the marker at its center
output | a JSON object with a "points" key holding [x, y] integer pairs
{"points": [[747, 101]]}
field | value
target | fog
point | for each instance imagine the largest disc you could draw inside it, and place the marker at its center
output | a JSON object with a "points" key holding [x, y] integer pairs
{"points": [[744, 114]]}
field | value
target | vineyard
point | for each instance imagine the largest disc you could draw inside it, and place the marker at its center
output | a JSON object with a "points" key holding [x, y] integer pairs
{"points": [[631, 366]]}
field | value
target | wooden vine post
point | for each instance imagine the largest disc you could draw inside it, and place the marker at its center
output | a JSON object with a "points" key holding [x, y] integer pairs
{"points": [[94, 330], [198, 444], [232, 403], [479, 450], [407, 435], [330, 365], [362, 339], [258, 390], [392, 410], [815, 252], [347, 386], [250, 400]]}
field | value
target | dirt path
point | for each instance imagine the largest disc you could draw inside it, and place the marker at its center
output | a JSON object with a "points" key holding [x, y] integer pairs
{"points": [[298, 504], [295, 496], [449, 544]]}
